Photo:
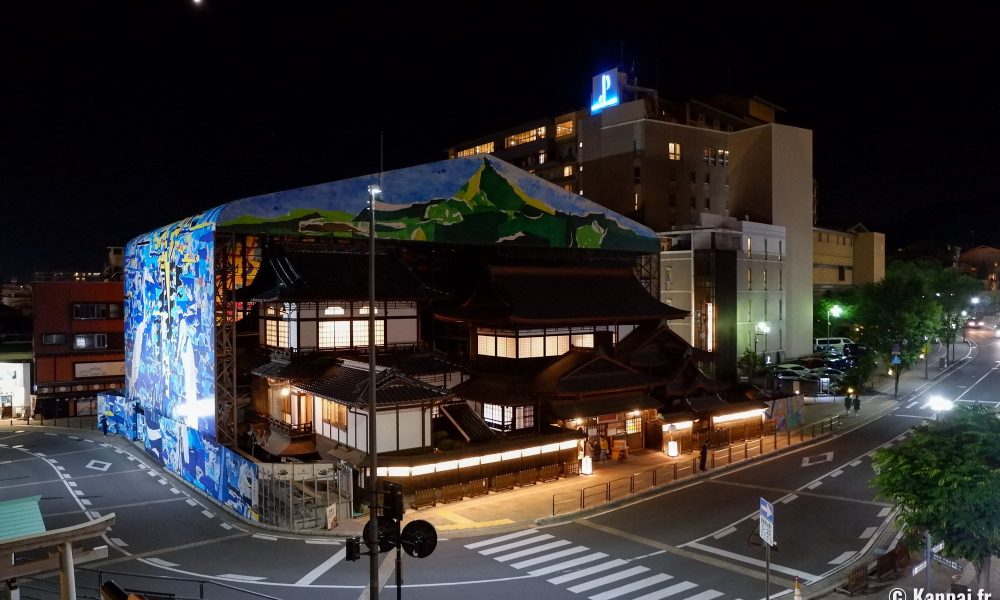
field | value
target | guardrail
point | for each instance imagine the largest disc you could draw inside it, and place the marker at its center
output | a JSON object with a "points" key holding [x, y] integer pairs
{"points": [[594, 495]]}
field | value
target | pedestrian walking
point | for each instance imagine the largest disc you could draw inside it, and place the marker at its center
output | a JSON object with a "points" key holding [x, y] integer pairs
{"points": [[704, 456], [857, 405], [847, 405], [104, 425], [604, 449]]}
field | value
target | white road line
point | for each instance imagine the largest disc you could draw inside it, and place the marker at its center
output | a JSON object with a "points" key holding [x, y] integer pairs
{"points": [[670, 591], [163, 482], [174, 490], [632, 587], [868, 532], [225, 525], [885, 511], [161, 562], [85, 502], [130, 457], [548, 557], [119, 542], [502, 538], [325, 566], [568, 564], [843, 557], [324, 542], [724, 533], [71, 483], [814, 485], [589, 585], [611, 564], [240, 577], [517, 544], [790, 498], [78, 492], [208, 514], [807, 577], [837, 473], [706, 595], [261, 536], [536, 550], [60, 468], [191, 501], [912, 404], [855, 463]]}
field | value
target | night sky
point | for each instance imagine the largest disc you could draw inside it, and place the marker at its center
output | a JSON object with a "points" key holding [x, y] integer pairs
{"points": [[117, 117]]}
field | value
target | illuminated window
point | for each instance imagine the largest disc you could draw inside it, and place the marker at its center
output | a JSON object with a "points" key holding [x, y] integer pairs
{"points": [[568, 171], [86, 341], [360, 332], [524, 417], [764, 280], [506, 347], [563, 129], [96, 311], [497, 416], [277, 334], [709, 156], [524, 137], [480, 149], [724, 157], [541, 157], [364, 310], [584, 340], [335, 334], [673, 151], [749, 247], [568, 187], [53, 338], [333, 311], [633, 425], [531, 347], [335, 414], [556, 345], [487, 345]]}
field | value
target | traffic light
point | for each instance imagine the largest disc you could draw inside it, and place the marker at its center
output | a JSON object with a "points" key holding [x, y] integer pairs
{"points": [[353, 548], [392, 500]]}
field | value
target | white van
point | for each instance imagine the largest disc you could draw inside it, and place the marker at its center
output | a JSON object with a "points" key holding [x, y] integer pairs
{"points": [[835, 344]]}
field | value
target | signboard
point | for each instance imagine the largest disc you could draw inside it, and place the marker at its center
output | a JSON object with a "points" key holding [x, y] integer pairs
{"points": [[896, 360], [99, 369], [920, 566], [766, 522], [937, 547], [947, 562], [604, 92], [331, 516]]}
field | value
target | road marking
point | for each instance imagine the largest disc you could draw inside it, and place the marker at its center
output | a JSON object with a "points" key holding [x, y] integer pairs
{"points": [[724, 532], [569, 564], [517, 544], [855, 463], [174, 490], [502, 538], [161, 562], [843, 557], [807, 577], [868, 532], [885, 511], [555, 555], [324, 542], [908, 417], [261, 536], [788, 499], [460, 522], [632, 587], [814, 485], [325, 566], [151, 473], [163, 482], [78, 492], [119, 542], [130, 457], [241, 577], [912, 404], [60, 468], [93, 514], [192, 502], [71, 483], [611, 564], [706, 595], [837, 473], [530, 551], [208, 514], [117, 451], [85, 502], [227, 526], [670, 591], [583, 587], [98, 465], [808, 461]]}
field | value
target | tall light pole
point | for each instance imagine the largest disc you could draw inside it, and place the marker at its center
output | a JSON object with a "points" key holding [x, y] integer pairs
{"points": [[372, 541], [833, 311]]}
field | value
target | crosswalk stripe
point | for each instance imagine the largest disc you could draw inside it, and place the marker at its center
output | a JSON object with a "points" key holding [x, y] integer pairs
{"points": [[611, 564], [632, 587], [530, 551], [548, 557], [569, 564], [589, 585], [706, 595], [502, 538], [517, 544], [666, 592]]}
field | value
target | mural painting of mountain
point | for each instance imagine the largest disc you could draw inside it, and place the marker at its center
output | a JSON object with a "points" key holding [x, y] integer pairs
{"points": [[473, 200]]}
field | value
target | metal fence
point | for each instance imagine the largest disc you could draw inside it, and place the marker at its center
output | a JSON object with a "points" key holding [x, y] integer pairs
{"points": [[565, 502], [296, 496]]}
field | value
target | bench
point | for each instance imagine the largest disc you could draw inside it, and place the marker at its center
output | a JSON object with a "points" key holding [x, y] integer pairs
{"points": [[571, 469], [527, 477], [857, 581], [479, 487]]}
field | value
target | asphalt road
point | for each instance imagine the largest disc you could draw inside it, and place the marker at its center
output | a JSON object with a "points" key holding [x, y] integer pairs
{"points": [[692, 542]]}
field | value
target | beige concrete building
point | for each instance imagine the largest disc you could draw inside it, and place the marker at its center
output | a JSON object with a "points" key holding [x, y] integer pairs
{"points": [[666, 164], [847, 258]]}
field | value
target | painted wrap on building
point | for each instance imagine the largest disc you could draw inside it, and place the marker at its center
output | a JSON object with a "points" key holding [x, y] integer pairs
{"points": [[169, 321], [471, 200]]}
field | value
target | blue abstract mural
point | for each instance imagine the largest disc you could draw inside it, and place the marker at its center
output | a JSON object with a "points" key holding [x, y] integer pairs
{"points": [[169, 321]]}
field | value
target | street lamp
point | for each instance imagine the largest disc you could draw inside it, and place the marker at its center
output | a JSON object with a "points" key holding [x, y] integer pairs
{"points": [[761, 328], [833, 311], [372, 542]]}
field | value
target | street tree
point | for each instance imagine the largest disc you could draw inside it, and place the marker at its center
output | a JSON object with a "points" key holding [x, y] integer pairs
{"points": [[945, 479]]}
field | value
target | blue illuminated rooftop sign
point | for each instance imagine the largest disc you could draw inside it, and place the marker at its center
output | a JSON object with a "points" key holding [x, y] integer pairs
{"points": [[605, 91]]}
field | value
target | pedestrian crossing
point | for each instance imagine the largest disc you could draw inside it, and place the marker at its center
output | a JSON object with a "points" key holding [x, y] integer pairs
{"points": [[584, 571]]}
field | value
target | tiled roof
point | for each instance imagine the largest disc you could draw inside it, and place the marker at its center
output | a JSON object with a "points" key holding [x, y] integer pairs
{"points": [[560, 295], [469, 424], [300, 275], [299, 368], [601, 405], [20, 517], [583, 371], [418, 363], [347, 383]]}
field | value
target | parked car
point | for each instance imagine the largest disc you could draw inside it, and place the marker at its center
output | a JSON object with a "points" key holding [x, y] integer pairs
{"points": [[787, 374], [835, 344], [853, 349], [792, 367], [829, 372]]}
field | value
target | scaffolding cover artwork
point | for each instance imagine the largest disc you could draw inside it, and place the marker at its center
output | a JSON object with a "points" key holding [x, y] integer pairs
{"points": [[169, 321]]}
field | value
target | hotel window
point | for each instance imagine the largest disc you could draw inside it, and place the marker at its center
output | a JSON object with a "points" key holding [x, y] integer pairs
{"points": [[88, 341], [694, 202], [486, 148], [53, 338], [335, 414], [276, 334], [722, 157], [749, 247], [708, 204], [524, 137], [709, 156], [563, 129], [568, 171], [96, 311], [673, 151], [672, 200]]}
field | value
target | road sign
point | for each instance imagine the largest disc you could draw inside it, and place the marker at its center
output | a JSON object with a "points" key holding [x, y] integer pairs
{"points": [[896, 349], [767, 532], [896, 360], [937, 547], [766, 511], [920, 566]]}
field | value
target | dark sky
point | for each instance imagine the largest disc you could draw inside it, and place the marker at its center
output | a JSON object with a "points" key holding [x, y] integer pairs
{"points": [[119, 116]]}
